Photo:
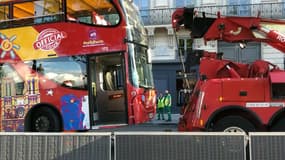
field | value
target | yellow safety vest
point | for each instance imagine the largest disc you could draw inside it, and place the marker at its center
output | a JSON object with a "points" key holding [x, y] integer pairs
{"points": [[160, 103], [167, 101]]}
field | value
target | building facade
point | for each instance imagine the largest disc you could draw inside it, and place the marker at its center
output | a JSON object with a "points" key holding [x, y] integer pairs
{"points": [[169, 51]]}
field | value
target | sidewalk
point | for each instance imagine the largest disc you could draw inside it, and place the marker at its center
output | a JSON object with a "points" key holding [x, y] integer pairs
{"points": [[175, 119]]}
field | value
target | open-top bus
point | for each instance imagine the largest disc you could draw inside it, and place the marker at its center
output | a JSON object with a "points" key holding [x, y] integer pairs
{"points": [[68, 65]]}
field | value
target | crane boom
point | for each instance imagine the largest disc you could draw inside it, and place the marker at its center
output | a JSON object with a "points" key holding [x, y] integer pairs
{"points": [[231, 28]]}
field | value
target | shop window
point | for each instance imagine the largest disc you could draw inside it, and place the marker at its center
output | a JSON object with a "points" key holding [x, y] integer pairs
{"points": [[184, 46]]}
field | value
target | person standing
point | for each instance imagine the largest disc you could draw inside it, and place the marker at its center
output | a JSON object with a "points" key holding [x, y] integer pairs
{"points": [[167, 104], [160, 107]]}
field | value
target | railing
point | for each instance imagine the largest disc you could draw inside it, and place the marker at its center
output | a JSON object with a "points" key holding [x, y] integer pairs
{"points": [[266, 10], [157, 16], [142, 146]]}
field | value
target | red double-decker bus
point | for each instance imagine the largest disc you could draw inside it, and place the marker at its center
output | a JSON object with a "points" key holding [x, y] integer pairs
{"points": [[68, 65]]}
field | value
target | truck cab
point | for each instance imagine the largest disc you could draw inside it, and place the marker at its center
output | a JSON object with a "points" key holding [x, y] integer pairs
{"points": [[235, 97]]}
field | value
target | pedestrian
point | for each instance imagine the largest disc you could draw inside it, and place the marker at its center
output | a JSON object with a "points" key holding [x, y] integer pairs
{"points": [[160, 107], [167, 104]]}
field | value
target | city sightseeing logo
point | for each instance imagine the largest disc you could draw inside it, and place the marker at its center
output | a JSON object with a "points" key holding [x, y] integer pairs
{"points": [[49, 39], [92, 41], [7, 45], [92, 34]]}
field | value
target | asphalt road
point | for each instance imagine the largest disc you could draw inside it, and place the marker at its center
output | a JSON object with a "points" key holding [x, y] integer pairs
{"points": [[154, 125], [141, 128]]}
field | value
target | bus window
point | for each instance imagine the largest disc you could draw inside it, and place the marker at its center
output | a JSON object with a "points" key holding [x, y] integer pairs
{"points": [[37, 68], [4, 10], [110, 72], [40, 11], [4, 13], [66, 71], [46, 11], [103, 12], [30, 12], [113, 78], [24, 13], [11, 83], [143, 68]]}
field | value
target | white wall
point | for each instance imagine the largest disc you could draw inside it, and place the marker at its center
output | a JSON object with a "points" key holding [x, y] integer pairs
{"points": [[210, 46], [164, 48]]}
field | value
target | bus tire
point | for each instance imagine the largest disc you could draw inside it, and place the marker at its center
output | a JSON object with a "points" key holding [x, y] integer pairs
{"points": [[278, 125], [45, 120], [234, 124]]}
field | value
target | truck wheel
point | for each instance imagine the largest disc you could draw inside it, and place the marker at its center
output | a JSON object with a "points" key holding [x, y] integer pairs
{"points": [[278, 126], [234, 124], [45, 120]]}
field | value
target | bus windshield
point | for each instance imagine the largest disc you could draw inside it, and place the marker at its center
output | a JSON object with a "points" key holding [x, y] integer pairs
{"points": [[140, 69], [143, 68]]}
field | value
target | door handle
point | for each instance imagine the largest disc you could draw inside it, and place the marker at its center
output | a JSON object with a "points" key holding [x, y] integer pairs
{"points": [[94, 88]]}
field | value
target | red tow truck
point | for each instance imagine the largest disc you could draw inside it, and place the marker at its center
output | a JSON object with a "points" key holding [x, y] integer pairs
{"points": [[230, 96]]}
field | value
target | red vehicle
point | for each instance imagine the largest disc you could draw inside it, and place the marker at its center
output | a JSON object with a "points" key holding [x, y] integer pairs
{"points": [[232, 96], [72, 65]]}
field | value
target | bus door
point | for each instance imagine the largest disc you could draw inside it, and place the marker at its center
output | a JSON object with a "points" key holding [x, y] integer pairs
{"points": [[107, 90]]}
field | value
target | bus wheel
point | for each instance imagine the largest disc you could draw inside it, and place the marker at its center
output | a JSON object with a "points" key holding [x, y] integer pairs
{"points": [[278, 126], [45, 120], [234, 124]]}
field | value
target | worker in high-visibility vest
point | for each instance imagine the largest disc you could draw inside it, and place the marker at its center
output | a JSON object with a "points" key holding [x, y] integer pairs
{"points": [[160, 107], [167, 104]]}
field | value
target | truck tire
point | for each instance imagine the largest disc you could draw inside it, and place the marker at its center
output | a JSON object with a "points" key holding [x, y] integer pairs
{"points": [[45, 120], [278, 126], [234, 124]]}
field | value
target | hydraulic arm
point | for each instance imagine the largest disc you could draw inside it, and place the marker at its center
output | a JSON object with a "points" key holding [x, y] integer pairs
{"points": [[231, 28]]}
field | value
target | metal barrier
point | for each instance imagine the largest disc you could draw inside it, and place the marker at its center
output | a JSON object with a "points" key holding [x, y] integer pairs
{"points": [[142, 146], [267, 146], [179, 146], [55, 146]]}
